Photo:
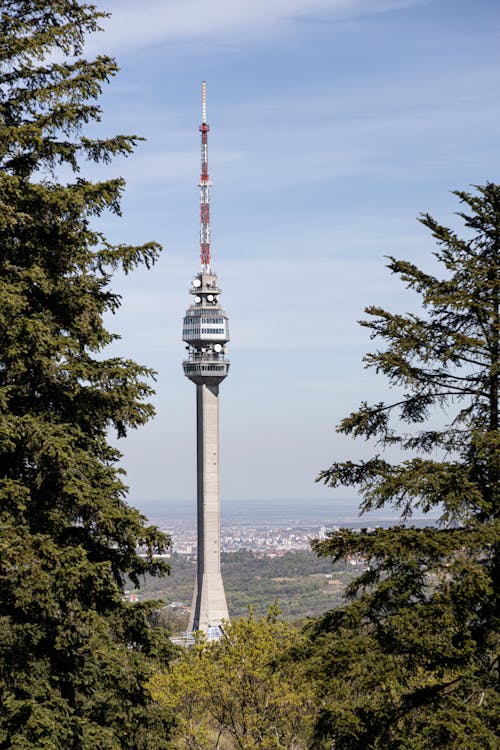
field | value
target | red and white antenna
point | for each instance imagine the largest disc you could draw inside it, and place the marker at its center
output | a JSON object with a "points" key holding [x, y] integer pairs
{"points": [[204, 186]]}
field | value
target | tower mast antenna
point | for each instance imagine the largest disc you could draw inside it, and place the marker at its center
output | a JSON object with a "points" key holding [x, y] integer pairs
{"points": [[204, 186]]}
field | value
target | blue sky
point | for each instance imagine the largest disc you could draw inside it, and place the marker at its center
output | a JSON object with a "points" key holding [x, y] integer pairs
{"points": [[333, 124]]}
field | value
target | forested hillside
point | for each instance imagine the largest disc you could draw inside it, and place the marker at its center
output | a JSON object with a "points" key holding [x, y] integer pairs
{"points": [[302, 584]]}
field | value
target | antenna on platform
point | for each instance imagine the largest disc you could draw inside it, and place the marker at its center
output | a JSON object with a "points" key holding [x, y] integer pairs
{"points": [[204, 186]]}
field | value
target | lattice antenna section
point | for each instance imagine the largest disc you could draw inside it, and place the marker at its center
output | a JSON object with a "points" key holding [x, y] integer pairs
{"points": [[204, 186]]}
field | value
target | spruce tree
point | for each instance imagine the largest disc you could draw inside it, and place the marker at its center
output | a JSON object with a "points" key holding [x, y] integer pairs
{"points": [[74, 656], [411, 661]]}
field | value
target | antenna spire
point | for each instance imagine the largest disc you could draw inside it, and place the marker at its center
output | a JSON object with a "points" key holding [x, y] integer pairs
{"points": [[204, 186], [203, 102]]}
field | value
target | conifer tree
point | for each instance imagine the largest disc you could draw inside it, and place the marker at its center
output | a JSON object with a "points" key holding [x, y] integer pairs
{"points": [[74, 657], [411, 661]]}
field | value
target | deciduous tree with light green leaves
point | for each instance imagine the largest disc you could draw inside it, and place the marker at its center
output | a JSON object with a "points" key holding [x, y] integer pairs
{"points": [[74, 656], [240, 693], [411, 662]]}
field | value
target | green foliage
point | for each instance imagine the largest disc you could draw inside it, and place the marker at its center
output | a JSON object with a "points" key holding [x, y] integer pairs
{"points": [[239, 693], [73, 655], [412, 661]]}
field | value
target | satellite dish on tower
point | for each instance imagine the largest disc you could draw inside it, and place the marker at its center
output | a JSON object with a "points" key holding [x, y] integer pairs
{"points": [[217, 348], [196, 283], [197, 300]]}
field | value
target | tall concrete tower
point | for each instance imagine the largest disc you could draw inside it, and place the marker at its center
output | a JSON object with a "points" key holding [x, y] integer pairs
{"points": [[206, 332]]}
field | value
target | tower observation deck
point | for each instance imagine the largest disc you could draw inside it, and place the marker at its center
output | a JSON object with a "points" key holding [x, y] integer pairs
{"points": [[206, 332]]}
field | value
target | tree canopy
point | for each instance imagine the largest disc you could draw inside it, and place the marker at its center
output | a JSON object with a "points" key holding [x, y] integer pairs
{"points": [[240, 693], [74, 655], [411, 661]]}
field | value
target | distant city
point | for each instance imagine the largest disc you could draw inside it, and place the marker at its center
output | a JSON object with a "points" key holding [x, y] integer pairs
{"points": [[248, 530], [269, 540]]}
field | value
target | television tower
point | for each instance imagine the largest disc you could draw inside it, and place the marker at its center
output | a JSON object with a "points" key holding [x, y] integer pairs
{"points": [[206, 333]]}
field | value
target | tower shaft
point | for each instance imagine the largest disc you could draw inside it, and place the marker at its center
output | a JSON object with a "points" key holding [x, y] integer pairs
{"points": [[209, 606]]}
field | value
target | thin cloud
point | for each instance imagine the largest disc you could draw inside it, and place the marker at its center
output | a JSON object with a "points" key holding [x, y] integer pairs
{"points": [[153, 21]]}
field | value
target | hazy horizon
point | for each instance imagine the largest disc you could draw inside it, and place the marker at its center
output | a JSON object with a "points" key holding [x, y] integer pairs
{"points": [[273, 510]]}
